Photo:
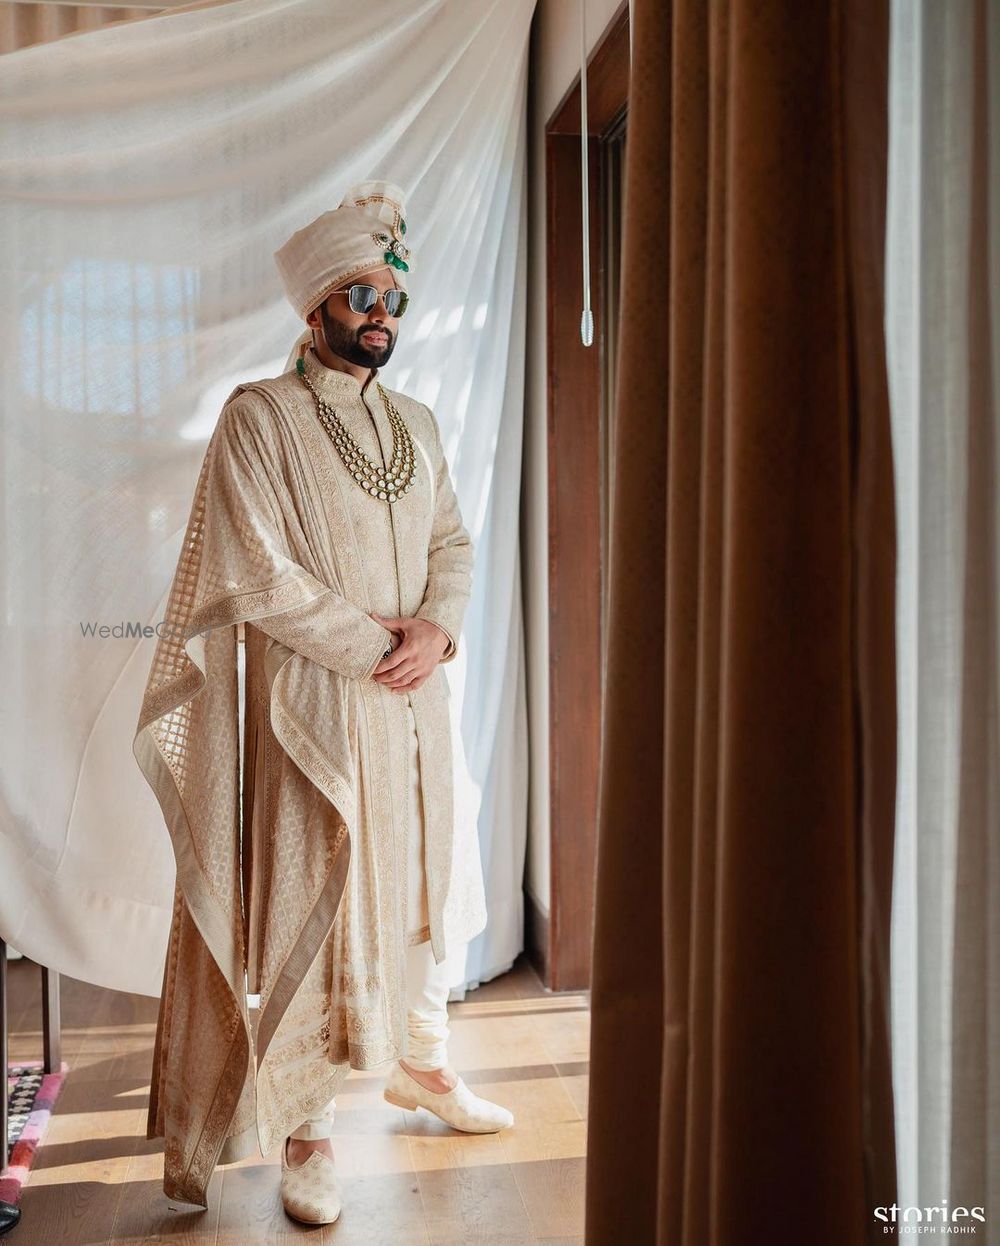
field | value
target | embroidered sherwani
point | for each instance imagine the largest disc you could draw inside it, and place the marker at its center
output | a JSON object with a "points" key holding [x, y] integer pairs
{"points": [[296, 887]]}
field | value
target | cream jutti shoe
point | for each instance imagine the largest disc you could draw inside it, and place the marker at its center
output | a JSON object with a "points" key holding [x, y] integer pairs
{"points": [[457, 1107], [311, 1192]]}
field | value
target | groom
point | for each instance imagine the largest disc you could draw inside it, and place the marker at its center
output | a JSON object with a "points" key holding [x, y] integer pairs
{"points": [[326, 522]]}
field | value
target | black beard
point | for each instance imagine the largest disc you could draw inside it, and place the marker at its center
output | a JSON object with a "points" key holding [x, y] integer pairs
{"points": [[348, 345]]}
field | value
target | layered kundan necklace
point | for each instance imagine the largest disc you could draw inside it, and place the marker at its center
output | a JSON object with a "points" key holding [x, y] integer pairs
{"points": [[387, 483]]}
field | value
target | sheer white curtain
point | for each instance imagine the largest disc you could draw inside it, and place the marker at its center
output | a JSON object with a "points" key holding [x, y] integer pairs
{"points": [[943, 335], [147, 172]]}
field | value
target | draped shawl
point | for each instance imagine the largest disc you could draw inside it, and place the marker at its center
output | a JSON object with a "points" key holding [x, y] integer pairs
{"points": [[292, 885]]}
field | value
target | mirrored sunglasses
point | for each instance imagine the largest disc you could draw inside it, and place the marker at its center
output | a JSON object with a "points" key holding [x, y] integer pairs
{"points": [[364, 297]]}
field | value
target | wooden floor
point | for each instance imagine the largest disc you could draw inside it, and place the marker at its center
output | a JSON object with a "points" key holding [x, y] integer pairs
{"points": [[406, 1177]]}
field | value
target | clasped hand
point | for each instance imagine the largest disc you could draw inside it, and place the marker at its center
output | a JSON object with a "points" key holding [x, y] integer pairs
{"points": [[413, 660]]}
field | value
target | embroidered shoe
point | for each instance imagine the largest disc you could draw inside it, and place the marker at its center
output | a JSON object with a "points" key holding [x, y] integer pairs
{"points": [[457, 1107], [310, 1193]]}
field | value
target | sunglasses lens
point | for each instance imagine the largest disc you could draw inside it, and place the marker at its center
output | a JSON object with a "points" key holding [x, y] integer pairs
{"points": [[363, 298], [396, 302]]}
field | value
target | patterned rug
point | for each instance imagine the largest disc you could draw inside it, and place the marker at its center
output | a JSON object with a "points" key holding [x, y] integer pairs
{"points": [[31, 1095]]}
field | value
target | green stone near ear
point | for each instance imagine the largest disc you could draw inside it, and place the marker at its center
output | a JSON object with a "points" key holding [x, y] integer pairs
{"points": [[300, 366], [402, 226], [404, 266]]}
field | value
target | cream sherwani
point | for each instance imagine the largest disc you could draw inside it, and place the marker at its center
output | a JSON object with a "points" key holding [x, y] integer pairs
{"points": [[297, 888]]}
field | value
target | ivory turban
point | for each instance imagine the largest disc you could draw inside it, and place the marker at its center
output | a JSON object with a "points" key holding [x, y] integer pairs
{"points": [[366, 231]]}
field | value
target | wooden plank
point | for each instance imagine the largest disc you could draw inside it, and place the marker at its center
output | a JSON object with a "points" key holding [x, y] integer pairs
{"points": [[406, 1176]]}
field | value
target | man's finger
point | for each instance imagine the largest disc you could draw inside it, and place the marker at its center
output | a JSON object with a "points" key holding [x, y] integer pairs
{"points": [[394, 625], [404, 670], [401, 652], [400, 677], [413, 684]]}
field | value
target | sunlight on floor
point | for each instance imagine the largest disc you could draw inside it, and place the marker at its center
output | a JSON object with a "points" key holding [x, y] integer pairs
{"points": [[512, 1043]]}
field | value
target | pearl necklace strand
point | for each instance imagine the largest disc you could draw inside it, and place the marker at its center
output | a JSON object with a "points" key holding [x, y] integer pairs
{"points": [[389, 484]]}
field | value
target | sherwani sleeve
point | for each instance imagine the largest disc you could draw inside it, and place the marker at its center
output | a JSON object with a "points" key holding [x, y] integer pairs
{"points": [[449, 557], [332, 632], [247, 486]]}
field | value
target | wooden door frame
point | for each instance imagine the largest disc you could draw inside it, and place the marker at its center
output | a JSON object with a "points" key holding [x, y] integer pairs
{"points": [[562, 945]]}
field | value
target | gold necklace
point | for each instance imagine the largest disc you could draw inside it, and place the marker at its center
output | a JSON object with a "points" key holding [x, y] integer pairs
{"points": [[387, 483]]}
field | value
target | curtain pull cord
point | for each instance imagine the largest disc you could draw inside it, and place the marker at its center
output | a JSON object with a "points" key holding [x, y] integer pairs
{"points": [[587, 319]]}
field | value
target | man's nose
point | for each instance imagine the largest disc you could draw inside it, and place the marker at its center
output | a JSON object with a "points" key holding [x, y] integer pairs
{"points": [[380, 308]]}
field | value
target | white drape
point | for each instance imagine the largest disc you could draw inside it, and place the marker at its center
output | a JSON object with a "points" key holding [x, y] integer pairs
{"points": [[148, 171], [943, 338]]}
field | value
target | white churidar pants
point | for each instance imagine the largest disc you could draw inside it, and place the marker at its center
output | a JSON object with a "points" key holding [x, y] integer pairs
{"points": [[427, 984]]}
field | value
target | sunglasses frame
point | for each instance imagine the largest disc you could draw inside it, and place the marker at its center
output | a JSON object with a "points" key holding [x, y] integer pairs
{"points": [[379, 294]]}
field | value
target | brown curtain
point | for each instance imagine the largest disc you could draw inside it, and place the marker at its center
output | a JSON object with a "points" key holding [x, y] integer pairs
{"points": [[740, 1087], [24, 24]]}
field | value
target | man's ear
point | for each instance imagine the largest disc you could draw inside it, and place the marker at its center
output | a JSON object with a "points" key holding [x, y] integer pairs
{"points": [[313, 318]]}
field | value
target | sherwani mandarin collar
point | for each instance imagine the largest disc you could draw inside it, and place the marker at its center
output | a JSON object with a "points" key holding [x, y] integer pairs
{"points": [[335, 385]]}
